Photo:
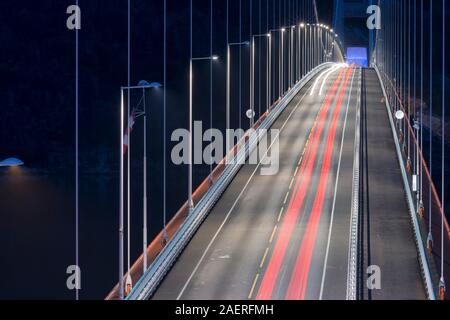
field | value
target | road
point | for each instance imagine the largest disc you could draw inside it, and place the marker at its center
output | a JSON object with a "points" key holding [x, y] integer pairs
{"points": [[283, 236]]}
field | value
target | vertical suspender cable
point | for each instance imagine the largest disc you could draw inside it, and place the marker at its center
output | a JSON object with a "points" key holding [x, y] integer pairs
{"points": [[279, 51], [77, 297], [395, 53], [252, 64], [416, 151], [430, 235], [397, 49], [227, 127], [442, 281], [421, 107], [240, 63], [400, 54], [191, 115], [305, 66], [274, 26], [164, 129], [259, 63], [211, 82], [409, 82], [268, 57], [129, 145], [144, 203], [405, 71]]}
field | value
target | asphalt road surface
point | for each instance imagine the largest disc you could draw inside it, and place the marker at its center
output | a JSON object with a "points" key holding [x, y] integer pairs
{"points": [[267, 230], [286, 236]]}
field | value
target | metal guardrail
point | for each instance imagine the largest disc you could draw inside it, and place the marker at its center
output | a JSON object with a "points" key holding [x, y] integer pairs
{"points": [[412, 210], [152, 278], [353, 250]]}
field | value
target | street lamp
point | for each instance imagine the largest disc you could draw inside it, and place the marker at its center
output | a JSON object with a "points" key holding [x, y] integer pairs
{"points": [[280, 60], [142, 85], [309, 61], [229, 45], [191, 76], [11, 162], [252, 78], [301, 51], [291, 56]]}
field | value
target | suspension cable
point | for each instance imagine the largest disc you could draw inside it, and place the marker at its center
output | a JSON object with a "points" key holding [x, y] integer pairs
{"points": [[77, 255], [409, 81], [442, 281], [405, 61], [416, 152], [252, 64], [129, 146], [259, 62], [421, 99], [430, 236], [240, 64], [268, 102], [211, 83], [165, 127]]}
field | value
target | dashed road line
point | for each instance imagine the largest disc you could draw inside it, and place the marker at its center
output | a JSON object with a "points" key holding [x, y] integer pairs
{"points": [[285, 198], [273, 234], [253, 286], [264, 258], [281, 214]]}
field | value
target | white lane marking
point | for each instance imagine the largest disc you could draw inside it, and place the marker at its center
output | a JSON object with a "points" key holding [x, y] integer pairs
{"points": [[335, 68], [335, 192], [318, 79], [235, 202]]}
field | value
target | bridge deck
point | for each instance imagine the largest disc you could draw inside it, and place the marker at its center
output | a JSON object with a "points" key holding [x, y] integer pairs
{"points": [[301, 216]]}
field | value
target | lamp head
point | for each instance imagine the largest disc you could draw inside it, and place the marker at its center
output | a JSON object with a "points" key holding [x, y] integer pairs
{"points": [[144, 83], [11, 162], [155, 85]]}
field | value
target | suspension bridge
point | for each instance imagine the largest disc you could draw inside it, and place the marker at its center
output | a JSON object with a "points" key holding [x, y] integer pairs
{"points": [[352, 212]]}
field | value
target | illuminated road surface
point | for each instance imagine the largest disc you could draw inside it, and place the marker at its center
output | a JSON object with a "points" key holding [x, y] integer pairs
{"points": [[284, 236]]}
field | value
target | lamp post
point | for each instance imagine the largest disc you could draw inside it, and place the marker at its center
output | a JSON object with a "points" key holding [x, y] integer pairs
{"points": [[312, 44], [228, 90], [143, 85], [252, 78], [229, 75], [283, 30], [191, 76], [291, 56], [269, 72], [302, 73], [280, 60], [309, 53]]}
